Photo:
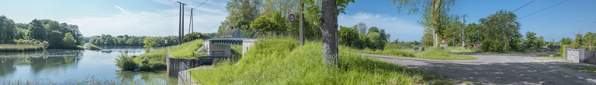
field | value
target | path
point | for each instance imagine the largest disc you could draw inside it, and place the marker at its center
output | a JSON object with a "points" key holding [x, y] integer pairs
{"points": [[500, 69]]}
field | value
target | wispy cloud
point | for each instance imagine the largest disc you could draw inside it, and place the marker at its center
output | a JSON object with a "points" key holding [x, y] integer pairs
{"points": [[121, 9], [398, 28]]}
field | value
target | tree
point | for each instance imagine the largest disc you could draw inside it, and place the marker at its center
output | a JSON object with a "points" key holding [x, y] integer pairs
{"points": [[56, 39], [37, 30], [578, 41], [347, 36], [265, 24], [502, 30], [373, 29], [471, 33], [433, 11], [330, 9], [566, 41], [7, 30], [69, 40], [362, 28], [149, 42], [531, 40]]}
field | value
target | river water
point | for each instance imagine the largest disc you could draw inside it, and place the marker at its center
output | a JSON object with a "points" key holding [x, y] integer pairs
{"points": [[75, 66]]}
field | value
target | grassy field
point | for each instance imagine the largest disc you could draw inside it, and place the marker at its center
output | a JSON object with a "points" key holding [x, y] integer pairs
{"points": [[284, 62], [19, 47], [555, 56]]}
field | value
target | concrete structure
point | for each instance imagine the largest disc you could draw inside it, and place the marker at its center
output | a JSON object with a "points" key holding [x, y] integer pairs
{"points": [[580, 55], [215, 47], [175, 65]]}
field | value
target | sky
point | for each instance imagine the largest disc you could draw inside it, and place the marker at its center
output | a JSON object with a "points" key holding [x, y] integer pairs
{"points": [[160, 17]]}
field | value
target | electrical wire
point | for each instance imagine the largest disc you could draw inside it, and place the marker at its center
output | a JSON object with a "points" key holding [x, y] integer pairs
{"points": [[524, 5], [543, 9]]}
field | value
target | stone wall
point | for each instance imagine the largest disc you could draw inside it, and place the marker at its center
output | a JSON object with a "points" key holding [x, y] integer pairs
{"points": [[184, 78]]}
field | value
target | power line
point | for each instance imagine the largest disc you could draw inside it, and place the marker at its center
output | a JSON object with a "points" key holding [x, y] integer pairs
{"points": [[523, 5], [544, 9]]}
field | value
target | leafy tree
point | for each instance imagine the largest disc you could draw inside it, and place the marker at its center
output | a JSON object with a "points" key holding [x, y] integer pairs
{"points": [[531, 40], [471, 33], [578, 41], [149, 42], [7, 30], [265, 24], [362, 28], [69, 40], [373, 29], [433, 11], [56, 40], [347, 36], [566, 41], [37, 30], [501, 29]]}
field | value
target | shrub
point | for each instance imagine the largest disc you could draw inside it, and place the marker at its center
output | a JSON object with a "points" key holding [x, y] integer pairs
{"points": [[562, 50], [125, 62]]}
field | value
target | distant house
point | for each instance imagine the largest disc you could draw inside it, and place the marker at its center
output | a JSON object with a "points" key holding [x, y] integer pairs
{"points": [[231, 33]]}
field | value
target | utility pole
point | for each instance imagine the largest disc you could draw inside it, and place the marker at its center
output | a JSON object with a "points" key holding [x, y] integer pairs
{"points": [[190, 25], [463, 42], [181, 23], [301, 34]]}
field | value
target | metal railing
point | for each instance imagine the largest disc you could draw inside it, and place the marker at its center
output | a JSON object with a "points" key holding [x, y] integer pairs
{"points": [[248, 34]]}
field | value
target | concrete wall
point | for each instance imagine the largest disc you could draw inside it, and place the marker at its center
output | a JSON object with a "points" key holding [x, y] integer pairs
{"points": [[175, 65], [580, 55], [184, 78], [217, 49], [247, 44]]}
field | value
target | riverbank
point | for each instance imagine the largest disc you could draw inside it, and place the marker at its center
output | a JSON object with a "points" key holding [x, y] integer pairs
{"points": [[155, 60], [20, 47]]}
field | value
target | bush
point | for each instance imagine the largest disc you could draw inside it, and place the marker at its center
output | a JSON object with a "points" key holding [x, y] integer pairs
{"points": [[125, 62]]}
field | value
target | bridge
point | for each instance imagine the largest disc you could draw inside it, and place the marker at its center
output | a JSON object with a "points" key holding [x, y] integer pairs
{"points": [[223, 46]]}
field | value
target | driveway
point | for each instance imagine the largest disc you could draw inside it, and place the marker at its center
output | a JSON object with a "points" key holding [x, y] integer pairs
{"points": [[501, 69]]}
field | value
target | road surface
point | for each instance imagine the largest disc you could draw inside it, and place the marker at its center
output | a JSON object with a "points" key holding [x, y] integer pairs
{"points": [[501, 69]]}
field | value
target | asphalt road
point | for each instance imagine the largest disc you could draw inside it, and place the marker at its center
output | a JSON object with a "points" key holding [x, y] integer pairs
{"points": [[516, 69]]}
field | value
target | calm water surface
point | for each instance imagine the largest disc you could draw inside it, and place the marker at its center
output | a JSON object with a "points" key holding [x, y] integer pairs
{"points": [[74, 65]]}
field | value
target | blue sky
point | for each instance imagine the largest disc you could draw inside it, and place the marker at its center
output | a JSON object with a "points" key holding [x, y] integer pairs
{"points": [[159, 17]]}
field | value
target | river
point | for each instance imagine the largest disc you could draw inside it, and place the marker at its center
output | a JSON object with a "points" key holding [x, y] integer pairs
{"points": [[75, 66]]}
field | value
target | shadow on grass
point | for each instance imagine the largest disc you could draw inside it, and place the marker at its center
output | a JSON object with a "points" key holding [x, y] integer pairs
{"points": [[511, 73]]}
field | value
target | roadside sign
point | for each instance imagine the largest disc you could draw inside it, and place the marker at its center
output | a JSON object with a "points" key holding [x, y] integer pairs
{"points": [[291, 17], [166, 41], [443, 43]]}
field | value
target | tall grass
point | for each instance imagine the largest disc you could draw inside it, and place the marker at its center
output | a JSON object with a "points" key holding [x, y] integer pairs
{"points": [[187, 50], [20, 47], [284, 62], [386, 51]]}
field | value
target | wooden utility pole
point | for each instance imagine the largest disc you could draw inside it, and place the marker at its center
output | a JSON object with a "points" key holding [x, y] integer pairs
{"points": [[181, 23]]}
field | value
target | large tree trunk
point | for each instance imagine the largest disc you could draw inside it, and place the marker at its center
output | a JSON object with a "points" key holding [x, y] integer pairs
{"points": [[301, 23], [328, 28], [436, 14]]}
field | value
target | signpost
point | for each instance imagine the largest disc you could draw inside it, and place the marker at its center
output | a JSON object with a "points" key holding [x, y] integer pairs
{"points": [[291, 17]]}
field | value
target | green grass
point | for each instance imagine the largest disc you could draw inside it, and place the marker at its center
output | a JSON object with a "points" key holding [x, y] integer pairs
{"points": [[555, 56], [459, 49], [19, 47], [284, 62], [187, 50], [590, 69], [387, 51], [438, 54]]}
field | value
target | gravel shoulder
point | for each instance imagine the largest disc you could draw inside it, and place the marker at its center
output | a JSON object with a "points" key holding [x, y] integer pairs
{"points": [[500, 69]]}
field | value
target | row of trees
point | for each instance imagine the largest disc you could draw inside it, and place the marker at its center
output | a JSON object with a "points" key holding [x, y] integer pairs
{"points": [[57, 35], [127, 40], [358, 37], [587, 40]]}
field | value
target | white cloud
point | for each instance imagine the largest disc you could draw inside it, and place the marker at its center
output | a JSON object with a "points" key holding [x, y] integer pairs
{"points": [[160, 22], [401, 29]]}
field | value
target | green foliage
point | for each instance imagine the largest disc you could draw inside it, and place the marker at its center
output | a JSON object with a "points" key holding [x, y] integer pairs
{"points": [[531, 40], [126, 40], [439, 54], [69, 39], [265, 24], [7, 30], [348, 36], [93, 47], [566, 40], [391, 52], [562, 49], [149, 42], [125, 62], [499, 31], [284, 62], [37, 30], [375, 39], [20, 47], [193, 36], [578, 41]]}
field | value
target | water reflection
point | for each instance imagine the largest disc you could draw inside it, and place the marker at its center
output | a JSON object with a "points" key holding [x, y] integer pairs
{"points": [[68, 65]]}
